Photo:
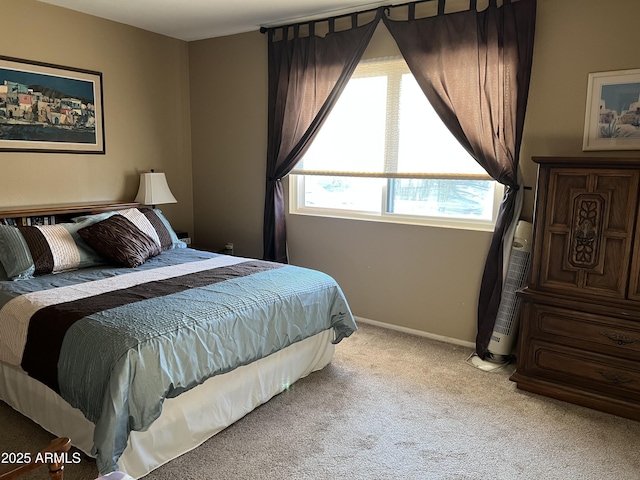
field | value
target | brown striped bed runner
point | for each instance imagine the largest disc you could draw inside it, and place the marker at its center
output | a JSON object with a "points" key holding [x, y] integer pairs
{"points": [[49, 325]]}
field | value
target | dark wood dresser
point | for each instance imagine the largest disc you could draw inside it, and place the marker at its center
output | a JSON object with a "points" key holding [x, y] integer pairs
{"points": [[580, 319]]}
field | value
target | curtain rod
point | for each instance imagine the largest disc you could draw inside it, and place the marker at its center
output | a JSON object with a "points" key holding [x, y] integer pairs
{"points": [[386, 8], [336, 17]]}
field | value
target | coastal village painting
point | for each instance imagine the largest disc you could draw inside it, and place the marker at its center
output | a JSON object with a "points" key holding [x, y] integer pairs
{"points": [[49, 108]]}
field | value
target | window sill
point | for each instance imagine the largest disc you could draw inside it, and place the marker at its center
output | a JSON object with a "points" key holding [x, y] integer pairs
{"points": [[457, 224]]}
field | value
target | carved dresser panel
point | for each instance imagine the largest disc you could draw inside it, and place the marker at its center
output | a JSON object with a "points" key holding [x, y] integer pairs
{"points": [[580, 326]]}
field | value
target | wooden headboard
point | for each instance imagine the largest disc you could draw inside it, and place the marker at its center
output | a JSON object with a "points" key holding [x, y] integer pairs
{"points": [[63, 212]]}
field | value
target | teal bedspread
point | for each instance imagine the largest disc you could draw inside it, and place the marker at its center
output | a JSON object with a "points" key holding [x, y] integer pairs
{"points": [[126, 339]]}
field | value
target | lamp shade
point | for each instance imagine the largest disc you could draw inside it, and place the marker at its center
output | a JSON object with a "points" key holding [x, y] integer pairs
{"points": [[154, 190]]}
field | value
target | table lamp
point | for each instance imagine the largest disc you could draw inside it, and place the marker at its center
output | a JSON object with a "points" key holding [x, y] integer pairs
{"points": [[154, 190]]}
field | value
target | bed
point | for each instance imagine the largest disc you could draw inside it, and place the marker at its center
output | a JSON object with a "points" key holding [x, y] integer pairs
{"points": [[115, 335]]}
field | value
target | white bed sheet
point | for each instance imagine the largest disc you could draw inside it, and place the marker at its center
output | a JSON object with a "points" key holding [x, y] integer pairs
{"points": [[187, 420]]}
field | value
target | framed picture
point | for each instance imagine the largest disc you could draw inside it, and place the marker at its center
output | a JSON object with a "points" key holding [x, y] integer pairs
{"points": [[612, 120], [50, 108]]}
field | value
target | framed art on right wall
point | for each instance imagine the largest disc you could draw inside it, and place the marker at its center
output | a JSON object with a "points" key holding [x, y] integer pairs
{"points": [[612, 119]]}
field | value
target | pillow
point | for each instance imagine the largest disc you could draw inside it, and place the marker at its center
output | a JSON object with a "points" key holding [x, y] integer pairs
{"points": [[14, 253], [43, 249], [3, 274], [93, 218], [150, 221], [121, 241], [175, 241]]}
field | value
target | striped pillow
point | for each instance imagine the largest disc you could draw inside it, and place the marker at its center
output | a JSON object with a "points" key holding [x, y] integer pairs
{"points": [[148, 222], [43, 249], [52, 249]]}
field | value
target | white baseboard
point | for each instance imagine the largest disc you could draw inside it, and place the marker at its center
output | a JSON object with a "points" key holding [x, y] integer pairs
{"points": [[420, 333]]}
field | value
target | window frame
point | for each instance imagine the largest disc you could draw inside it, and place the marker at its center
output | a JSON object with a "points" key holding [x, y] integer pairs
{"points": [[297, 178], [296, 207]]}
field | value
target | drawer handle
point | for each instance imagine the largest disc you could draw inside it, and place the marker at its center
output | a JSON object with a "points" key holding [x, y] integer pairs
{"points": [[620, 339], [615, 378]]}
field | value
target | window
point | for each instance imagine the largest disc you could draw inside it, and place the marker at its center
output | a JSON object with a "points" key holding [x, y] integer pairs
{"points": [[384, 154]]}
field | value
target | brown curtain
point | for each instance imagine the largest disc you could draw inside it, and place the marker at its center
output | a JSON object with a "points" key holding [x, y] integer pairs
{"points": [[307, 74], [474, 68]]}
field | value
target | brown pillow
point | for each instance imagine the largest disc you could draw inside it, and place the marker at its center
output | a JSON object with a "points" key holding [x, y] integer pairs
{"points": [[118, 239]]}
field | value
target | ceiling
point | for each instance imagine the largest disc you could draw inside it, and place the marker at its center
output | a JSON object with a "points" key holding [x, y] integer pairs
{"points": [[199, 19]]}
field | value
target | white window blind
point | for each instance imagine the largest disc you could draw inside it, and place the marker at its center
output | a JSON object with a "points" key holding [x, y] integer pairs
{"points": [[382, 126]]}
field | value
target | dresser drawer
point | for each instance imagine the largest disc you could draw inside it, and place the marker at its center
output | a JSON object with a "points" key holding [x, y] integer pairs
{"points": [[570, 366], [607, 335]]}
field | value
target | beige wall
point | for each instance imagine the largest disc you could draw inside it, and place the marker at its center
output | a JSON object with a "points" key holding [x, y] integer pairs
{"points": [[146, 110], [421, 278], [228, 79], [573, 38]]}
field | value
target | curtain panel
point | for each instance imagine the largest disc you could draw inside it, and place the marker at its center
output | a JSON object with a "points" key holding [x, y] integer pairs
{"points": [[307, 74], [474, 67]]}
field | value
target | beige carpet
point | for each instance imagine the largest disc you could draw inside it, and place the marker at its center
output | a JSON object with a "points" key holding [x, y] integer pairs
{"points": [[396, 406]]}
